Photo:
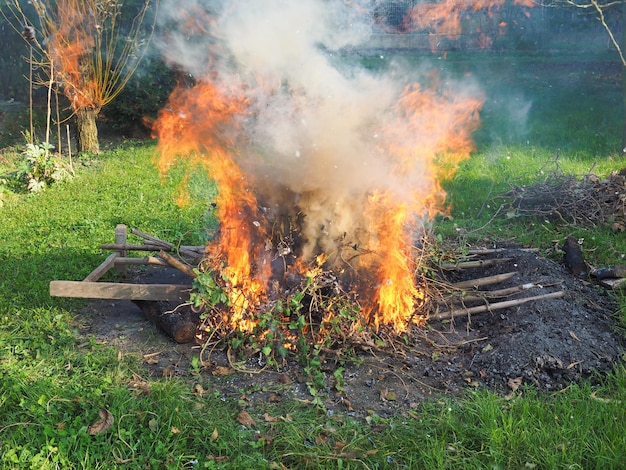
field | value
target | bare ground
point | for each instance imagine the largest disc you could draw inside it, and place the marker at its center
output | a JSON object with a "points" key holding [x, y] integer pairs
{"points": [[547, 344]]}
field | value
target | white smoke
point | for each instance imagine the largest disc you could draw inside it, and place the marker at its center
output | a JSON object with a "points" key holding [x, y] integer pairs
{"points": [[313, 138]]}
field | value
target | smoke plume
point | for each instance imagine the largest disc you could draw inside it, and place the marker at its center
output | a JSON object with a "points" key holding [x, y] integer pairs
{"points": [[320, 136]]}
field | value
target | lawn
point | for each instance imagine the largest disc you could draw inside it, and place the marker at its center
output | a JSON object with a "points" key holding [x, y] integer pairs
{"points": [[53, 385]]}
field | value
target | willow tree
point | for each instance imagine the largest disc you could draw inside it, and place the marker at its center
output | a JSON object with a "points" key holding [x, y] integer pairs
{"points": [[91, 52]]}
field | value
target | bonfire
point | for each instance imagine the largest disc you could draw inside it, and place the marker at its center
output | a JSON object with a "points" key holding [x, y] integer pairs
{"points": [[327, 177]]}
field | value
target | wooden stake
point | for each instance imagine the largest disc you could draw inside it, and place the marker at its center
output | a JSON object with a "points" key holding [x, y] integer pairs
{"points": [[498, 293], [482, 263], [102, 269], [145, 260], [176, 263], [69, 149], [120, 239], [490, 251], [162, 243], [496, 306], [197, 250], [483, 281]]}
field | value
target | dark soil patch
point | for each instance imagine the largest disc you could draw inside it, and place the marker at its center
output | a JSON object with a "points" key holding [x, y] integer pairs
{"points": [[547, 344]]}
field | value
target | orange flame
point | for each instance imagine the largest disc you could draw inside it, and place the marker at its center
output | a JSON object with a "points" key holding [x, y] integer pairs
{"points": [[196, 126], [443, 122], [416, 144], [429, 136]]}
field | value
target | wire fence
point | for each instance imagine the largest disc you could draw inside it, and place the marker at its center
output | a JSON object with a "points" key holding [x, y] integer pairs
{"points": [[511, 26]]}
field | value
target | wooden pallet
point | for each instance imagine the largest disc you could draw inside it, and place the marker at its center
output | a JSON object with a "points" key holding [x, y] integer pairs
{"points": [[89, 288]]}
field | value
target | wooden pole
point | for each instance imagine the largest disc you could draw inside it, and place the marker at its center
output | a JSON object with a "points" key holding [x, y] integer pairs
{"points": [[480, 263], [484, 281], [165, 245], [102, 269], [121, 235], [176, 263], [139, 261], [496, 306], [478, 295]]}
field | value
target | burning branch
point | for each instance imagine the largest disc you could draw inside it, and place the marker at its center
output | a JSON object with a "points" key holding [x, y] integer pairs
{"points": [[345, 166]]}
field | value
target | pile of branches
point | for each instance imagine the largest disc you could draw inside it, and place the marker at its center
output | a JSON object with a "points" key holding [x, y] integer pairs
{"points": [[587, 201]]}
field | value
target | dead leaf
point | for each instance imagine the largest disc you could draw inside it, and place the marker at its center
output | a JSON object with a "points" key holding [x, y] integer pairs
{"points": [[275, 398], [175, 430], [151, 358], [139, 385], [515, 383], [220, 371], [103, 424], [321, 439], [278, 466], [573, 335], [604, 400], [470, 382], [284, 379], [270, 419], [245, 419], [214, 435], [198, 390], [383, 394], [351, 455]]}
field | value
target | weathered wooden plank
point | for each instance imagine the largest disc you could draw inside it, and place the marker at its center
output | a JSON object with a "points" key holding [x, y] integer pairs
{"points": [[117, 290]]}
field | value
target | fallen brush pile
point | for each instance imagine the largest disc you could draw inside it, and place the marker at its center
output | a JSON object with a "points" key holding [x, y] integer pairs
{"points": [[303, 310], [498, 316], [586, 201]]}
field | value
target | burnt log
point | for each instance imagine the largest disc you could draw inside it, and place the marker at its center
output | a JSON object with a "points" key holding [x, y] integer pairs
{"points": [[574, 258], [180, 325]]}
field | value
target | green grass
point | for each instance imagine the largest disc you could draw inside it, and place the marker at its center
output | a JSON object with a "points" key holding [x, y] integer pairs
{"points": [[52, 384]]}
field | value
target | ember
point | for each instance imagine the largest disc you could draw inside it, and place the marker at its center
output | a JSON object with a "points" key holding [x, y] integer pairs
{"points": [[312, 157]]}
